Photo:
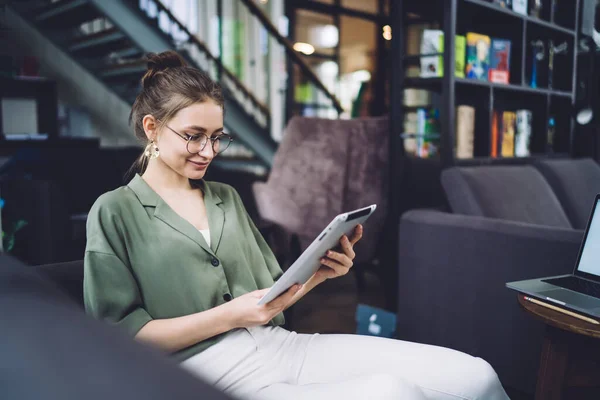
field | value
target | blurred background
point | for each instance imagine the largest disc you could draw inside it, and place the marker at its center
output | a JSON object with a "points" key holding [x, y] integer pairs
{"points": [[334, 105]]}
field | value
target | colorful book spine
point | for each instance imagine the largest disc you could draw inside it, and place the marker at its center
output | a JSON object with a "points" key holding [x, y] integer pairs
{"points": [[494, 135], [499, 61], [460, 55], [460, 48], [427, 132], [433, 66], [508, 134], [478, 56]]}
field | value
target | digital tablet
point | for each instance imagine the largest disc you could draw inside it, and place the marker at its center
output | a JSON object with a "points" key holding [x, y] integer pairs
{"points": [[310, 260]]}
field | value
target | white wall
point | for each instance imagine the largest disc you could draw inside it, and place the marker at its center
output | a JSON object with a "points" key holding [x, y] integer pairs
{"points": [[76, 87]]}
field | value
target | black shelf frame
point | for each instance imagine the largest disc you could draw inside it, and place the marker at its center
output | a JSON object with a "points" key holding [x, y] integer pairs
{"points": [[533, 20], [448, 14]]}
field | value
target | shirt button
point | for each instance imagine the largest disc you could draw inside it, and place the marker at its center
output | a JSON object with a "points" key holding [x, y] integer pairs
{"points": [[214, 262], [227, 297]]}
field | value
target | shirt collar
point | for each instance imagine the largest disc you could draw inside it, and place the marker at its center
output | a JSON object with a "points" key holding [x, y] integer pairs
{"points": [[148, 197]]}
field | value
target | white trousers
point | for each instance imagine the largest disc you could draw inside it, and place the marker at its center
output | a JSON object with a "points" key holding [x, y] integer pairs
{"points": [[271, 363]]}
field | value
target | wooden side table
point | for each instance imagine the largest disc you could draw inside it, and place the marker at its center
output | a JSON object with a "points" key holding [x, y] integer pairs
{"points": [[570, 359]]}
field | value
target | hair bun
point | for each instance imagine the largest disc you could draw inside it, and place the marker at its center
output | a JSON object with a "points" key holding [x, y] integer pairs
{"points": [[160, 62]]}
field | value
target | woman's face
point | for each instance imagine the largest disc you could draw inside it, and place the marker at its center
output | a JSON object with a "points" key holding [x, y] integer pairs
{"points": [[200, 118]]}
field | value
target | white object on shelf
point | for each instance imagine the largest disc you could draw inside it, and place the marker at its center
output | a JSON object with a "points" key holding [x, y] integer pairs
{"points": [[520, 6], [19, 115], [523, 133], [465, 131], [431, 43], [417, 97]]}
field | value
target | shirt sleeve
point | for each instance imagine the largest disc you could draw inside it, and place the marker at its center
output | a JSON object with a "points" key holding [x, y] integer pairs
{"points": [[110, 290]]}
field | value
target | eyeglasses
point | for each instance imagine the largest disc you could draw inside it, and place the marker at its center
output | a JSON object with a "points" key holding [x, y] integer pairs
{"points": [[196, 143]]}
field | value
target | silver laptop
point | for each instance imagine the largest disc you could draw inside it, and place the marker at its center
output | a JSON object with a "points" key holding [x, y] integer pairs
{"points": [[579, 291]]}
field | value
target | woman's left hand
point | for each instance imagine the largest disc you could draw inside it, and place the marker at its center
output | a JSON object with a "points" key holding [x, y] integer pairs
{"points": [[336, 264]]}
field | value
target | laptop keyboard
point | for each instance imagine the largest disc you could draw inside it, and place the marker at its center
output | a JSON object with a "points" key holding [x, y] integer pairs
{"points": [[576, 284]]}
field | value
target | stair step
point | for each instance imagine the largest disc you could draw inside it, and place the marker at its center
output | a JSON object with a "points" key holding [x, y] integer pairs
{"points": [[98, 62], [127, 52], [65, 13], [98, 43], [132, 68]]}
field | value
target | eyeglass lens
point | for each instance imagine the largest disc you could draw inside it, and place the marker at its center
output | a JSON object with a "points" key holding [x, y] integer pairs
{"points": [[220, 144]]}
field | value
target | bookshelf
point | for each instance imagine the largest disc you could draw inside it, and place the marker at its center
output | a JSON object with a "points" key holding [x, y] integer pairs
{"points": [[550, 101]]}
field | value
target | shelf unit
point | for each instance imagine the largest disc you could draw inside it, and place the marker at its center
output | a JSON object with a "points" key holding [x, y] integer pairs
{"points": [[488, 18], [43, 91]]}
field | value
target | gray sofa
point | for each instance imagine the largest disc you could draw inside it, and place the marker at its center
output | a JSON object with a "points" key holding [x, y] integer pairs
{"points": [[507, 223]]}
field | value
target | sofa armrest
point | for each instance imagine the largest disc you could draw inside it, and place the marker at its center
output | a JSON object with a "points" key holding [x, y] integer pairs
{"points": [[452, 274]]}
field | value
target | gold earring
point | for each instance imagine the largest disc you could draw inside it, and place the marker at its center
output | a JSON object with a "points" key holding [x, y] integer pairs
{"points": [[151, 150]]}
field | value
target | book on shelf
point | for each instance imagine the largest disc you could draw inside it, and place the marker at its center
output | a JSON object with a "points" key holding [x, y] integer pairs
{"points": [[503, 133], [511, 133], [494, 134], [460, 48], [499, 61], [478, 56], [416, 97], [523, 133], [428, 127], [507, 143], [432, 42], [414, 37], [422, 137], [465, 131]]}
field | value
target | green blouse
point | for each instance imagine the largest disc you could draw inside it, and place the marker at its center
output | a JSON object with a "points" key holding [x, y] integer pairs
{"points": [[143, 261]]}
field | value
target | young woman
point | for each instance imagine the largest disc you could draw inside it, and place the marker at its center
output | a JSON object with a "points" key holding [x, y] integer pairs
{"points": [[176, 261]]}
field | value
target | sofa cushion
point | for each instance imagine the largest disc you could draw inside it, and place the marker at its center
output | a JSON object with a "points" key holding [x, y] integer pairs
{"points": [[576, 183], [515, 193], [67, 275]]}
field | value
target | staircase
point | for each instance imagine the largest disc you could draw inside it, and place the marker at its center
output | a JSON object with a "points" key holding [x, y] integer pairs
{"points": [[110, 37]]}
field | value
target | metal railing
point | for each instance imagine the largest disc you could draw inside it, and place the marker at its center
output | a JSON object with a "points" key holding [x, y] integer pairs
{"points": [[196, 51], [292, 54]]}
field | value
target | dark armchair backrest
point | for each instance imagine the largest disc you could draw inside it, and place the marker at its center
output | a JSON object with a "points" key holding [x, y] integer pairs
{"points": [[576, 183], [515, 193]]}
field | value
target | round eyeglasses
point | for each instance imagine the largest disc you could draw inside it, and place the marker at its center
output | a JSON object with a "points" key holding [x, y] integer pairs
{"points": [[196, 143]]}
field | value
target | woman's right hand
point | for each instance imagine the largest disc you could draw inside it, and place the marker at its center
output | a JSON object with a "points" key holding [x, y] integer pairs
{"points": [[245, 312]]}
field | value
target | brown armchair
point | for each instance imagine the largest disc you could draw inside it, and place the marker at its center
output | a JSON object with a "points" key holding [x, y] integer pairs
{"points": [[322, 168]]}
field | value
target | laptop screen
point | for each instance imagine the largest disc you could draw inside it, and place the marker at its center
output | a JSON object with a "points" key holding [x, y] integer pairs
{"points": [[590, 254]]}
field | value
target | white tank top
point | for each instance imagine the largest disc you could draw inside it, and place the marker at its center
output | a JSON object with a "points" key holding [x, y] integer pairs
{"points": [[206, 234]]}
